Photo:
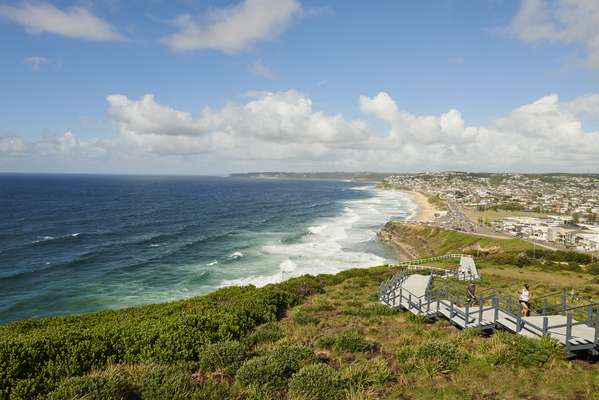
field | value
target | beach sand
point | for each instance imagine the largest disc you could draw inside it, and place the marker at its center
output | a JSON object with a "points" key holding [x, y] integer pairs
{"points": [[426, 211]]}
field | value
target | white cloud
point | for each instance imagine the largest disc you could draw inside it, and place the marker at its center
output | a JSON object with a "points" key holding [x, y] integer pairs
{"points": [[12, 145], [148, 117], [545, 133], [560, 21], [272, 124], [36, 62], [283, 130], [77, 22], [258, 68], [588, 104], [235, 28]]}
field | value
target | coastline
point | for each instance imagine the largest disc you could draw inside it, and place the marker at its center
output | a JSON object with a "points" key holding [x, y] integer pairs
{"points": [[425, 210]]}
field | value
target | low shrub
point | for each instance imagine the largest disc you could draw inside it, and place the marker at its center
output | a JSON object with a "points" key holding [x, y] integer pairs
{"points": [[507, 349], [92, 388], [417, 319], [35, 356], [317, 382], [593, 268], [213, 390], [370, 372], [319, 307], [438, 356], [369, 311], [405, 359], [325, 342], [353, 341], [273, 369], [226, 356], [303, 318], [267, 333], [128, 382]]}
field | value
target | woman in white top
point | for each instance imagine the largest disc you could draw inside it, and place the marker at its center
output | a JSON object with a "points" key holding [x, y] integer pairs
{"points": [[524, 299]]}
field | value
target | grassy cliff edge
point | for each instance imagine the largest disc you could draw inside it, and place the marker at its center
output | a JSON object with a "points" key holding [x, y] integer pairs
{"points": [[323, 337]]}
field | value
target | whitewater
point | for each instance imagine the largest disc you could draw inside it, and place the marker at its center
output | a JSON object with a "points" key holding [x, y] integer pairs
{"points": [[73, 243], [333, 244]]}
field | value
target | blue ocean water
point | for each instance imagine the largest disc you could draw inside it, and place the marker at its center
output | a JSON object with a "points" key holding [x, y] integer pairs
{"points": [[77, 243]]}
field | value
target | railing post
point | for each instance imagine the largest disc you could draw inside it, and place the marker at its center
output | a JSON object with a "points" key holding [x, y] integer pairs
{"points": [[545, 306], [428, 302], [518, 321], [596, 328], [400, 295], [568, 329], [590, 316], [495, 309], [450, 311], [545, 325], [409, 301], [481, 303], [419, 305], [564, 300], [510, 304], [467, 315]]}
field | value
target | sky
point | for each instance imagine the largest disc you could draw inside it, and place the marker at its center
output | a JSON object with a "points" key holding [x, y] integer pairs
{"points": [[214, 87]]}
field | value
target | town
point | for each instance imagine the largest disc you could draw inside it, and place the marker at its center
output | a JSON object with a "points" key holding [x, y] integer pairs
{"points": [[559, 211]]}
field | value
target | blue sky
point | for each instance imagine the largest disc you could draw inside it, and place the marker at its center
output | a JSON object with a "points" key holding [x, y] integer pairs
{"points": [[298, 85]]}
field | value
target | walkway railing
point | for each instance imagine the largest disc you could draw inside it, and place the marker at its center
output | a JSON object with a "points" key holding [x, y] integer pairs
{"points": [[495, 310], [429, 259]]}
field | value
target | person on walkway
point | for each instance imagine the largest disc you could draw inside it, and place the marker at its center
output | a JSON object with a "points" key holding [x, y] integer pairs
{"points": [[524, 299], [471, 293]]}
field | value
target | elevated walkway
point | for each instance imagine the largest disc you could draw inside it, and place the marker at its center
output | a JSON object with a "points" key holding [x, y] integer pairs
{"points": [[412, 290]]}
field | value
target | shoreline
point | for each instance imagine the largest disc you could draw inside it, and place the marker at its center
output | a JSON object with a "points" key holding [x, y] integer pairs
{"points": [[425, 210]]}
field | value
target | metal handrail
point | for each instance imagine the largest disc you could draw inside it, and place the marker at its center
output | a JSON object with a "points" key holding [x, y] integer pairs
{"points": [[500, 302]]}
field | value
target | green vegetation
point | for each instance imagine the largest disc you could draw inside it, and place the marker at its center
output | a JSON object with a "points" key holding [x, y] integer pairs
{"points": [[37, 355], [352, 341], [317, 382], [272, 370], [322, 337], [436, 201], [432, 241], [223, 356], [489, 215]]}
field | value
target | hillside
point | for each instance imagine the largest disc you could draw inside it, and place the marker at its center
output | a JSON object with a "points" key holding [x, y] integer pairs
{"points": [[416, 240], [323, 337]]}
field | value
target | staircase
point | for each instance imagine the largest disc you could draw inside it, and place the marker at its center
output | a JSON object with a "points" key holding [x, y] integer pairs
{"points": [[412, 290]]}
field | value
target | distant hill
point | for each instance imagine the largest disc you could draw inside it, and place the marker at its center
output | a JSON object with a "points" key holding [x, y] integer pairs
{"points": [[354, 176]]}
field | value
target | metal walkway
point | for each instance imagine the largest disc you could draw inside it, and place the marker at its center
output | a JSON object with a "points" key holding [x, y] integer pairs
{"points": [[412, 290]]}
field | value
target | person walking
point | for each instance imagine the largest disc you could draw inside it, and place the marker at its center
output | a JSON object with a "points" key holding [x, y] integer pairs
{"points": [[471, 293], [524, 299]]}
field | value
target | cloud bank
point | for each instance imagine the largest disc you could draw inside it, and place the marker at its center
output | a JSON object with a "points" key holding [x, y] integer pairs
{"points": [[284, 128]]}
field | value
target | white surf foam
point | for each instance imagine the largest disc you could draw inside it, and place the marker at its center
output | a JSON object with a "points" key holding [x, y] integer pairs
{"points": [[236, 255], [330, 244]]}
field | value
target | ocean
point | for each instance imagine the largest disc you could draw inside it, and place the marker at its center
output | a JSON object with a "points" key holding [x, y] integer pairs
{"points": [[78, 243]]}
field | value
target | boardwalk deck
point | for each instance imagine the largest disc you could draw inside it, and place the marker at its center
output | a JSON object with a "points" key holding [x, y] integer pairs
{"points": [[413, 292]]}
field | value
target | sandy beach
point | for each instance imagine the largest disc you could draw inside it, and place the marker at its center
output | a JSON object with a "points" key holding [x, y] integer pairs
{"points": [[426, 211]]}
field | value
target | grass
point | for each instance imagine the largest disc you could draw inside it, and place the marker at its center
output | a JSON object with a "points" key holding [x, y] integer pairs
{"points": [[339, 342], [433, 241], [495, 215], [379, 354], [470, 366]]}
